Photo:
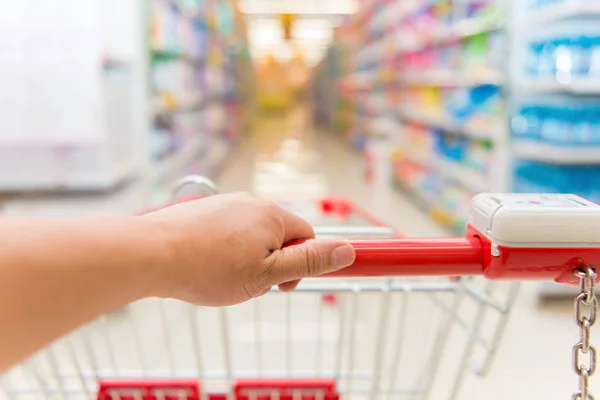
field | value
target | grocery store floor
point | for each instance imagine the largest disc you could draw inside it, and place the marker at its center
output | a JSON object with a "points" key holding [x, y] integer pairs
{"points": [[533, 362], [340, 165]]}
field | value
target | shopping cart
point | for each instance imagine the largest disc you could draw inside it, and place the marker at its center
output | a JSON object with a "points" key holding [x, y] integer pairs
{"points": [[385, 335]]}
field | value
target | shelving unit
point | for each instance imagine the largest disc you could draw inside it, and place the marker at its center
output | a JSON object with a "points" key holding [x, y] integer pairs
{"points": [[195, 87], [436, 70], [549, 153], [543, 134], [575, 86], [555, 96], [432, 74], [445, 35], [441, 76], [177, 48], [450, 78], [476, 130], [561, 10]]}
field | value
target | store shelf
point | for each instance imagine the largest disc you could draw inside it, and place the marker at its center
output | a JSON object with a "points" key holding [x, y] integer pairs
{"points": [[397, 11], [539, 151], [160, 53], [581, 86], [475, 26], [437, 36], [472, 130], [431, 205], [371, 53], [467, 177], [424, 197], [445, 35], [562, 10], [180, 159], [184, 10], [194, 100], [168, 103], [359, 80], [451, 78]]}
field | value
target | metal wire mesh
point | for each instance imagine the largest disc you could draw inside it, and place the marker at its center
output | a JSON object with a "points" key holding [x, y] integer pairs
{"points": [[378, 338]]}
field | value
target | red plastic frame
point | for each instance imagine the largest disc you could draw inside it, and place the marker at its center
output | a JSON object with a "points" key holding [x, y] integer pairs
{"points": [[264, 389], [243, 389], [344, 209], [148, 389]]}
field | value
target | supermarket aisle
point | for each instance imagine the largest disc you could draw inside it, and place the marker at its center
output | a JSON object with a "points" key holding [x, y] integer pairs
{"points": [[341, 166]]}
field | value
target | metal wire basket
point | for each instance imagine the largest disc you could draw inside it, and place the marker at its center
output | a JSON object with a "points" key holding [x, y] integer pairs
{"points": [[361, 338]]}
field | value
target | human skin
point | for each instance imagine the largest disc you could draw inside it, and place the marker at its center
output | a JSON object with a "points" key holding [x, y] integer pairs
{"points": [[57, 274]]}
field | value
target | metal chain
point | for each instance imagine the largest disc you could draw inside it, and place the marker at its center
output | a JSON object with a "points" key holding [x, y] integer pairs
{"points": [[586, 308]]}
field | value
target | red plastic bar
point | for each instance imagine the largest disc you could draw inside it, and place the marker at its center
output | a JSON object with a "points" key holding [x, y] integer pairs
{"points": [[325, 385], [416, 257], [243, 389], [344, 209], [149, 389], [286, 389]]}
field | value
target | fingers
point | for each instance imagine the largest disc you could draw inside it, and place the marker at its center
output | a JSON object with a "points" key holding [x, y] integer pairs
{"points": [[295, 227], [289, 286], [311, 258]]}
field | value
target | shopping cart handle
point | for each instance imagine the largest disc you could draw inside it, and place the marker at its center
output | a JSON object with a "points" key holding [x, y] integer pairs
{"points": [[471, 255], [415, 257], [544, 237]]}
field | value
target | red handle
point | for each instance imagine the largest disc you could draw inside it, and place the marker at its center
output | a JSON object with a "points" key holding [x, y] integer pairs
{"points": [[415, 257]]}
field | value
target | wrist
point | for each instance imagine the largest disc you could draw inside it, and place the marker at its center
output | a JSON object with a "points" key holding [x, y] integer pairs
{"points": [[160, 246], [143, 256]]}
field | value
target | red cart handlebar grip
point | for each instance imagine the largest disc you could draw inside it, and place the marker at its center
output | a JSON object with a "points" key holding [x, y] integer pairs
{"points": [[415, 257], [468, 256]]}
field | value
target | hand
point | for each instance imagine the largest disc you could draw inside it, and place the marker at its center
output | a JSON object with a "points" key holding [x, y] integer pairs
{"points": [[227, 249]]}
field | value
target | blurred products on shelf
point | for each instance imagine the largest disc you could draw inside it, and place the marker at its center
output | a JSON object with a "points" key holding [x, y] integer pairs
{"points": [[199, 79], [566, 124], [173, 32], [537, 177], [469, 105], [177, 80], [555, 132], [565, 57], [433, 70]]}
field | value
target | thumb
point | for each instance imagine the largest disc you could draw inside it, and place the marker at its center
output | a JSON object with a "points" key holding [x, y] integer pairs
{"points": [[311, 258]]}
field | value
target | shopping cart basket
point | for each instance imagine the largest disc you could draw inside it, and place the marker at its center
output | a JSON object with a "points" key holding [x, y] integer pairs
{"points": [[385, 335]]}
